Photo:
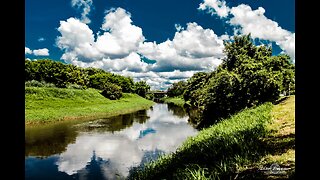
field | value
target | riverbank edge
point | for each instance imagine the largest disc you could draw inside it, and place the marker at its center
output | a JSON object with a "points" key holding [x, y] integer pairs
{"points": [[178, 101], [220, 152], [131, 105]]}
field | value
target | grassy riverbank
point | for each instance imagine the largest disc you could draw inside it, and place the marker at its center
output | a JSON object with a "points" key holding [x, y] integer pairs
{"points": [[241, 147], [174, 100], [45, 105]]}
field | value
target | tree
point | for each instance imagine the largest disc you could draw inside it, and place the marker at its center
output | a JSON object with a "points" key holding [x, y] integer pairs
{"points": [[111, 91], [141, 88], [248, 76], [177, 89]]}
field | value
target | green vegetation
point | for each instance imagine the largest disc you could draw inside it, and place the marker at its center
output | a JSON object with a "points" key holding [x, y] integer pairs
{"points": [[232, 148], [54, 104], [248, 76], [42, 73], [177, 89], [174, 100], [216, 151], [141, 88], [280, 144], [112, 91]]}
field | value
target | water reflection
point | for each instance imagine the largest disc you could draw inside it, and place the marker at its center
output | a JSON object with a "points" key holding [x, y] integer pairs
{"points": [[48, 140], [116, 123], [113, 146], [177, 110]]}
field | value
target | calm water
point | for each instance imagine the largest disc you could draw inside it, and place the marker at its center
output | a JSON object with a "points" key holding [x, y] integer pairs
{"points": [[104, 148]]}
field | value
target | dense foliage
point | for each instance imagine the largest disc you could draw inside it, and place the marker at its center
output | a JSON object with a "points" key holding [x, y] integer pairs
{"points": [[112, 91], [141, 88], [45, 72], [248, 76], [177, 89]]}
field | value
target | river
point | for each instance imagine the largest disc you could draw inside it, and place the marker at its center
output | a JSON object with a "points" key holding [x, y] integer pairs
{"points": [[104, 148]]}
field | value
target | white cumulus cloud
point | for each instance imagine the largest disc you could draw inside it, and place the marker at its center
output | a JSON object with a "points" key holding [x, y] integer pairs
{"points": [[37, 52], [256, 23], [122, 37], [27, 50], [215, 7], [194, 48], [121, 47], [86, 8], [41, 52], [119, 39], [245, 20]]}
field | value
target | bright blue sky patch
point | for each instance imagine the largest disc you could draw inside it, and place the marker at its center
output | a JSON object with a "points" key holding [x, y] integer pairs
{"points": [[145, 39]]}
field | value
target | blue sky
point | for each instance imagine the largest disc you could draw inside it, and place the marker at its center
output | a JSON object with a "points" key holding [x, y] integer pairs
{"points": [[160, 42]]}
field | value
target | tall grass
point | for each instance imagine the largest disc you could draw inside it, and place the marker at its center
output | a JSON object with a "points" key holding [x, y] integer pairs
{"points": [[216, 152], [43, 105]]}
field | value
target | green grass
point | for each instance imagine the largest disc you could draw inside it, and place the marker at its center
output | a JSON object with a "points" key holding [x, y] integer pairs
{"points": [[280, 144], [45, 105], [179, 101], [216, 152], [235, 148]]}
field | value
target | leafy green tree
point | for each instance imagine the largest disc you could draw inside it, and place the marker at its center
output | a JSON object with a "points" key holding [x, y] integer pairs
{"points": [[248, 76], [141, 88], [111, 91], [197, 81], [177, 89]]}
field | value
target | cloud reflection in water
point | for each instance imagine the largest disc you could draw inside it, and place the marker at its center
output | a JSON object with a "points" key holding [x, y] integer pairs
{"points": [[163, 132]]}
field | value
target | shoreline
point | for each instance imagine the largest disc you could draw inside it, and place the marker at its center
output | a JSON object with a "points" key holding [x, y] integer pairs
{"points": [[236, 147], [52, 105]]}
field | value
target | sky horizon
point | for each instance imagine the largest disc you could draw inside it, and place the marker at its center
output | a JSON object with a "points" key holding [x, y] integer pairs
{"points": [[159, 42]]}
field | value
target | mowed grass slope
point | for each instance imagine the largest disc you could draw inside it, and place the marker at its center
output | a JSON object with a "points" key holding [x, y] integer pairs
{"points": [[43, 105]]}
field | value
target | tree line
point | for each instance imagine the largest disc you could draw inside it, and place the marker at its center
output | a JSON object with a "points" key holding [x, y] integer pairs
{"points": [[58, 74], [248, 76]]}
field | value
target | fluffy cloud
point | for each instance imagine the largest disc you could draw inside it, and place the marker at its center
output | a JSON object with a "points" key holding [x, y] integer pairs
{"points": [[194, 48], [288, 45], [27, 50], [122, 37], [256, 23], [37, 52], [121, 47], [41, 39], [41, 52], [86, 5], [215, 7], [76, 40], [132, 63], [159, 80], [119, 40]]}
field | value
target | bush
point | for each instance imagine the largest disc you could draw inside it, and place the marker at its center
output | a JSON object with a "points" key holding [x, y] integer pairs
{"points": [[141, 88], [75, 86], [35, 83], [177, 89], [112, 91], [149, 96]]}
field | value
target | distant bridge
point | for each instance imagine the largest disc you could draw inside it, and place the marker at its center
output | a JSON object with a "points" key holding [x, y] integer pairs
{"points": [[157, 95]]}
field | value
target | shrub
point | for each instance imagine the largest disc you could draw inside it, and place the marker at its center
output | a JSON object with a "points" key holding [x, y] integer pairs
{"points": [[35, 83], [75, 86], [112, 91], [141, 88]]}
